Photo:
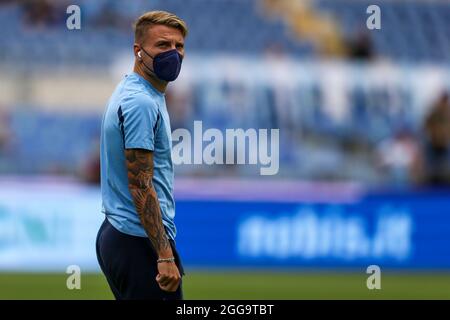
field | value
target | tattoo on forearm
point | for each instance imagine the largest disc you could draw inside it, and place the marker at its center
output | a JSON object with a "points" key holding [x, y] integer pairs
{"points": [[140, 173]]}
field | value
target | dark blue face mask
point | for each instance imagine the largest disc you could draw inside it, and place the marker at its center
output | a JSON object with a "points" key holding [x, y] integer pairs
{"points": [[166, 65]]}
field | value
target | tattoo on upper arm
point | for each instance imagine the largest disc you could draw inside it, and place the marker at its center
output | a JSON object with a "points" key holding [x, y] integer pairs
{"points": [[140, 173]]}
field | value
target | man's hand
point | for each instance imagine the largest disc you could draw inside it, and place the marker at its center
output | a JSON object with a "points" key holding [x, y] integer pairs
{"points": [[168, 277]]}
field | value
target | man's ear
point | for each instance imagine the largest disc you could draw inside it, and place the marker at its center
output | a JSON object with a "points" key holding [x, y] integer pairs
{"points": [[137, 49]]}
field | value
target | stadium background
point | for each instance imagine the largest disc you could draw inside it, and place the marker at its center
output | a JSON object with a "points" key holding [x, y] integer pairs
{"points": [[364, 120]]}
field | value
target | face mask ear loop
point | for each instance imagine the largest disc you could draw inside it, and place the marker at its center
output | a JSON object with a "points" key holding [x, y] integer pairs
{"points": [[142, 48], [146, 66]]}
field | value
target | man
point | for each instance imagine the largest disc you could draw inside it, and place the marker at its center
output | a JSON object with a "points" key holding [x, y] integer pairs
{"points": [[135, 244], [436, 150]]}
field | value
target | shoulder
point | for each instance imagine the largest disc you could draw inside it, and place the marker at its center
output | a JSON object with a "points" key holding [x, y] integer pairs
{"points": [[136, 96], [139, 100]]}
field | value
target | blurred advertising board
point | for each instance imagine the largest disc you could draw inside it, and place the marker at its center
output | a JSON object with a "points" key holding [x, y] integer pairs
{"points": [[48, 225]]}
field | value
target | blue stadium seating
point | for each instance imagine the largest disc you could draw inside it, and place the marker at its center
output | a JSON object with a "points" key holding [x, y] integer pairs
{"points": [[411, 31]]}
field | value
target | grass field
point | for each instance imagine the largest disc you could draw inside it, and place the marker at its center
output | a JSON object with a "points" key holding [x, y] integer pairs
{"points": [[243, 285]]}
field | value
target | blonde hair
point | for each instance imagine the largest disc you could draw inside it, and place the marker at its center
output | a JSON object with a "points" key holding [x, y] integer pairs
{"points": [[157, 18]]}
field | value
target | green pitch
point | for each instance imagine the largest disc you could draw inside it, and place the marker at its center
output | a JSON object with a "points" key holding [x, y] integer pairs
{"points": [[243, 285]]}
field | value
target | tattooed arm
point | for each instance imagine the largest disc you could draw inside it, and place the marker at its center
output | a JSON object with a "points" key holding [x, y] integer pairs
{"points": [[140, 173]]}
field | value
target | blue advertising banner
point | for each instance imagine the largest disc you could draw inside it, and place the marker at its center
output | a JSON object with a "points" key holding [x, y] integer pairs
{"points": [[404, 230], [48, 226]]}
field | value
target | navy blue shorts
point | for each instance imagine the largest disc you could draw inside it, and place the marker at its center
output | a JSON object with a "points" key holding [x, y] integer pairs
{"points": [[130, 267]]}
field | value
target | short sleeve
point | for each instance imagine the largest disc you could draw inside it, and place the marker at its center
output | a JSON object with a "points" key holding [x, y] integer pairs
{"points": [[138, 121]]}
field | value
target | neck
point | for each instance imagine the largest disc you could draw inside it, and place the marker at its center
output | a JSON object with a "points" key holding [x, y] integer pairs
{"points": [[158, 84]]}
